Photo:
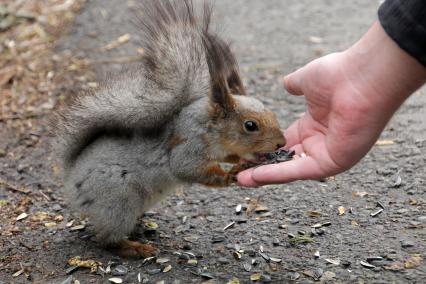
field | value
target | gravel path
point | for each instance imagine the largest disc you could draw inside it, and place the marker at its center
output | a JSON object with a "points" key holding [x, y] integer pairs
{"points": [[271, 38]]}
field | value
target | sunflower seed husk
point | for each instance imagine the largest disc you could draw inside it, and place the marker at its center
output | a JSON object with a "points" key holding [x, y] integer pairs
{"points": [[375, 213], [366, 264]]}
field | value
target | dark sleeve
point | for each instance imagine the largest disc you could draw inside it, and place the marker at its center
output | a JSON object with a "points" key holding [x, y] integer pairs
{"points": [[405, 22]]}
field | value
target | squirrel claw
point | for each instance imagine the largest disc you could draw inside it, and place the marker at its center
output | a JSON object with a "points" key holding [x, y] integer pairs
{"points": [[132, 249]]}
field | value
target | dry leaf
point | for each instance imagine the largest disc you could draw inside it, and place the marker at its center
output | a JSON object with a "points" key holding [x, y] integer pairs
{"points": [[76, 261], [413, 262]]}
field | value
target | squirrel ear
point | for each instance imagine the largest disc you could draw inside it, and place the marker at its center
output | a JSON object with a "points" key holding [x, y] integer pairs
{"points": [[217, 57], [220, 95]]}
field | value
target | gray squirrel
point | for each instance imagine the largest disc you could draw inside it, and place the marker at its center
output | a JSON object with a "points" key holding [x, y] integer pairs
{"points": [[168, 122]]}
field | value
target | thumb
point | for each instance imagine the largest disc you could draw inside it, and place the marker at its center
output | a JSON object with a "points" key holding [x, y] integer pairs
{"points": [[294, 82]]}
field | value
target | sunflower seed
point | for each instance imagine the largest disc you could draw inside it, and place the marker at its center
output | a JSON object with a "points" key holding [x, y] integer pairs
{"points": [[238, 208], [116, 280]]}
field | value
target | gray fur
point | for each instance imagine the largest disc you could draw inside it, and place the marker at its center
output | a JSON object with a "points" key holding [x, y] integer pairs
{"points": [[136, 139]]}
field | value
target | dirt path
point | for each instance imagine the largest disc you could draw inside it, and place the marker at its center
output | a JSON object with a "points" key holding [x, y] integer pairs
{"points": [[270, 38]]}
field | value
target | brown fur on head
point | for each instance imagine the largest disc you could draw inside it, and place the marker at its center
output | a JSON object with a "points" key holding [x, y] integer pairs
{"points": [[244, 125]]}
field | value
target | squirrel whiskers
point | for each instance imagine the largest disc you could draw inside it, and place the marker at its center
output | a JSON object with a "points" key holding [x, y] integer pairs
{"points": [[167, 123]]}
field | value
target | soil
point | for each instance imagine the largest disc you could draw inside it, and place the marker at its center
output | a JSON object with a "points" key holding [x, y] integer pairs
{"points": [[270, 39]]}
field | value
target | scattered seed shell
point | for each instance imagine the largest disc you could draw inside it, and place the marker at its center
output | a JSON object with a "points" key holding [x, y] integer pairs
{"points": [[276, 260], [17, 273], [366, 264], [193, 262], [317, 225], [78, 227], [238, 208], [167, 268], [229, 226], [255, 277], [116, 280], [162, 260], [341, 210], [333, 261], [375, 213], [22, 216], [247, 267], [317, 254]]}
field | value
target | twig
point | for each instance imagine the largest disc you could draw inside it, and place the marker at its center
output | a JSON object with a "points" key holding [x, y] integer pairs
{"points": [[13, 187], [45, 196]]}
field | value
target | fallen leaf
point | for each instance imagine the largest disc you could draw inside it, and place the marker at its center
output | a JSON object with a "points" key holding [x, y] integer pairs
{"points": [[76, 261], [413, 261]]}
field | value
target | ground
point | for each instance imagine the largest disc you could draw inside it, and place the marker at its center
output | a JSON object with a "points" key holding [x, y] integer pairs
{"points": [[270, 39]]}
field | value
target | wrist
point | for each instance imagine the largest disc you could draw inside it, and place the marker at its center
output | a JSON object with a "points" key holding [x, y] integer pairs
{"points": [[382, 71]]}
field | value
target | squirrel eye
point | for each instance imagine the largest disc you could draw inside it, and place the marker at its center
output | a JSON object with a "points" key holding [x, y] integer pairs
{"points": [[251, 126]]}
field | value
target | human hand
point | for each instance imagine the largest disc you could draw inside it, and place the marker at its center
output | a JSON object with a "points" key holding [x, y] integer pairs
{"points": [[350, 97]]}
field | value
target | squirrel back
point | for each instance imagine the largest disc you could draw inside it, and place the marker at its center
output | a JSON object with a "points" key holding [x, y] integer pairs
{"points": [[181, 59]]}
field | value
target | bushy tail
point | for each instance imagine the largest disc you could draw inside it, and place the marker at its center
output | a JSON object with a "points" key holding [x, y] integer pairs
{"points": [[182, 61], [174, 53]]}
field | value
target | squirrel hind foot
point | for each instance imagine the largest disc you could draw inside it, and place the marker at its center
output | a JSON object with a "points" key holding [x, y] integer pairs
{"points": [[134, 249]]}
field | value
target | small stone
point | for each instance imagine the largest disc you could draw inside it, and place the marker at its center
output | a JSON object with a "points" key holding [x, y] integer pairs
{"points": [[57, 207], [422, 219], [223, 260], [167, 268], [266, 278], [317, 273], [120, 270], [186, 247], [247, 267], [317, 254], [255, 277], [328, 276], [406, 243], [162, 260], [345, 263], [294, 276], [275, 242], [66, 281], [153, 271], [218, 239], [320, 231]]}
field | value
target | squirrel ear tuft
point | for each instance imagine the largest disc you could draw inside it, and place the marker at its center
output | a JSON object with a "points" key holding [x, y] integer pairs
{"points": [[218, 56]]}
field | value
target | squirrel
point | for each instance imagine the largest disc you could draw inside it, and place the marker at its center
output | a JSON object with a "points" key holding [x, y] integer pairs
{"points": [[168, 122]]}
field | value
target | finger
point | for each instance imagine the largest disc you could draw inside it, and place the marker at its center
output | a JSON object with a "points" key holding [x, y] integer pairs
{"points": [[298, 169], [292, 135], [245, 179], [294, 82]]}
